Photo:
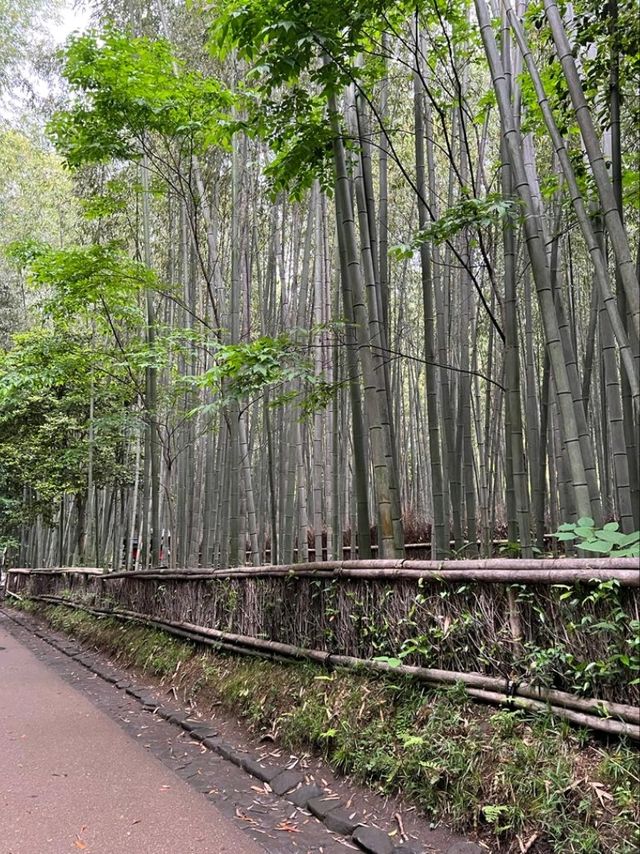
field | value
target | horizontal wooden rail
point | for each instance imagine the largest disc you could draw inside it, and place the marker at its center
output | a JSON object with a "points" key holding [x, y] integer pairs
{"points": [[626, 571], [56, 570]]}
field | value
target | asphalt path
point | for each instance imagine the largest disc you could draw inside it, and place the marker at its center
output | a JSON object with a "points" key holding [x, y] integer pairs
{"points": [[71, 780]]}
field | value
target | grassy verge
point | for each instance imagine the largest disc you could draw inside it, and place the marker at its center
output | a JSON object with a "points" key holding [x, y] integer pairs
{"points": [[504, 774]]}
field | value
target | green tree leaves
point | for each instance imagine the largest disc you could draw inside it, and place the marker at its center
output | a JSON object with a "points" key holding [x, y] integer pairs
{"points": [[89, 298], [36, 204], [129, 87], [247, 369], [46, 382], [481, 214], [76, 280], [300, 54]]}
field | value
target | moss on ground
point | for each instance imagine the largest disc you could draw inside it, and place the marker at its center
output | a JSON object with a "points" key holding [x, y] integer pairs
{"points": [[504, 774]]}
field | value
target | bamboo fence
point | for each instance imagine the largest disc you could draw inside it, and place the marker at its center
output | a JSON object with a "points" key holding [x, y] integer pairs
{"points": [[517, 631]]}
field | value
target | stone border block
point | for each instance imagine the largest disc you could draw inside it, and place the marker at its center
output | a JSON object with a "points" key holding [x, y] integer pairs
{"points": [[266, 773], [301, 797], [372, 840], [203, 731], [321, 807], [342, 821], [286, 781], [228, 752]]}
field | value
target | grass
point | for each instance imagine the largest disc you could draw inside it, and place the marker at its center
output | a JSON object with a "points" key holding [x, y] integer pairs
{"points": [[503, 774]]}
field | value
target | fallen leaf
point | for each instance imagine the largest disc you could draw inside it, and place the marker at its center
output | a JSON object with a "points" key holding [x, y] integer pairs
{"points": [[601, 793], [80, 843], [244, 817], [288, 827]]}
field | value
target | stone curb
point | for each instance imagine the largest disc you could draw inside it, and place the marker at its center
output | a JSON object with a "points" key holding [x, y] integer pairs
{"points": [[283, 781]]}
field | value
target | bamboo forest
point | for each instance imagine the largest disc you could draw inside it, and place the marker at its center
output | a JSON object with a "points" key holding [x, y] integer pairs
{"points": [[285, 279], [319, 426]]}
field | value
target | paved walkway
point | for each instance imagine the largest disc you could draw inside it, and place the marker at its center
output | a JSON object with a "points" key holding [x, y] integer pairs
{"points": [[71, 780]]}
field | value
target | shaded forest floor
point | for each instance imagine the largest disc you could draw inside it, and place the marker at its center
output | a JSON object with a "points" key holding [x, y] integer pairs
{"points": [[510, 777]]}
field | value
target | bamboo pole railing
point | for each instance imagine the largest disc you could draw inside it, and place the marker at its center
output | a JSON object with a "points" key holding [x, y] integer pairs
{"points": [[549, 571]]}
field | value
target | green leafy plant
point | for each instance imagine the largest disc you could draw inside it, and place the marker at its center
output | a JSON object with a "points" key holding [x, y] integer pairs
{"points": [[603, 541], [127, 87], [502, 816], [514, 549], [249, 368], [469, 212]]}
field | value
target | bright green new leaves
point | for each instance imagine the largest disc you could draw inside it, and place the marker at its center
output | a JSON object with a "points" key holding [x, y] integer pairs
{"points": [[36, 192], [605, 541], [79, 280], [36, 202], [248, 367], [112, 199], [245, 369], [128, 88]]}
